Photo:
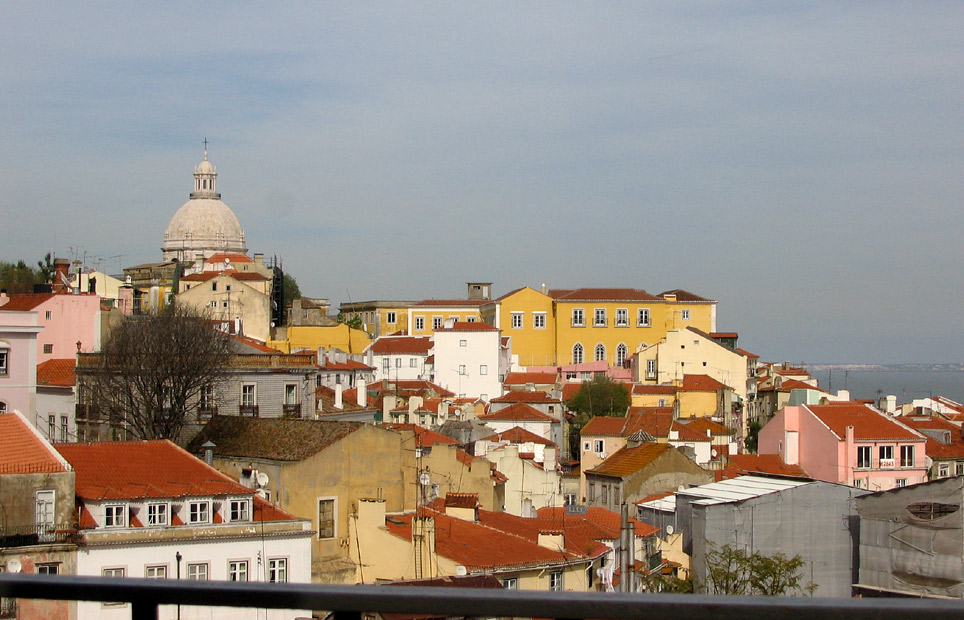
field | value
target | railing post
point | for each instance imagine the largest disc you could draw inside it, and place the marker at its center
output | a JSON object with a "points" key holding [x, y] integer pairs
{"points": [[143, 610]]}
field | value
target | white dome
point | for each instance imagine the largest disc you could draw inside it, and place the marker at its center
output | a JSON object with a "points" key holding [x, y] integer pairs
{"points": [[203, 225]]}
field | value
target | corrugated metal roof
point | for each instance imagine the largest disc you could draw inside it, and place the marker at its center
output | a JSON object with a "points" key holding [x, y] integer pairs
{"points": [[738, 489]]}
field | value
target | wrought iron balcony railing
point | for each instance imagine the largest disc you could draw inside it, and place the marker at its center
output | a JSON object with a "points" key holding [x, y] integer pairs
{"points": [[352, 602], [26, 535]]}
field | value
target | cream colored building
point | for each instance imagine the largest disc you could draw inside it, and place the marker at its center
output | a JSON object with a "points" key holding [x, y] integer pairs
{"points": [[231, 297]]}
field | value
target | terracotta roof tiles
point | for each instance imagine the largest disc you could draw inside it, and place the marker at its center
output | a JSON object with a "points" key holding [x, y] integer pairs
{"points": [[868, 423], [57, 373], [23, 451]]}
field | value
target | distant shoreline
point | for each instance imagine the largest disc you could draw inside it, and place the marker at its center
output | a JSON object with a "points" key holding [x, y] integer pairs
{"points": [[886, 367]]}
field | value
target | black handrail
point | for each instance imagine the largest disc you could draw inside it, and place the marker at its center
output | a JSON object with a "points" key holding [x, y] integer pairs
{"points": [[348, 601]]}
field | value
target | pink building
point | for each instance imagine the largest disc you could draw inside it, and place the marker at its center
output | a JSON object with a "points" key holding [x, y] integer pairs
{"points": [[70, 322], [848, 443], [18, 360]]}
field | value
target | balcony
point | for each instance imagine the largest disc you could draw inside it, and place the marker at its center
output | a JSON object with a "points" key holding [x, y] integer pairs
{"points": [[27, 535], [351, 602], [291, 411], [206, 413], [248, 411]]}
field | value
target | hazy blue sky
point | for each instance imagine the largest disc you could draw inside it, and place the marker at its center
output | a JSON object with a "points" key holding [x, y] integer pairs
{"points": [[802, 163]]}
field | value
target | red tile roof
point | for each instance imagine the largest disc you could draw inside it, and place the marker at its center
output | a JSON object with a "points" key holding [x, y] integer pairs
{"points": [[607, 522], [644, 389], [452, 302], [701, 425], [518, 411], [57, 373], [204, 276], [868, 423], [938, 427], [628, 461], [424, 437], [517, 434], [346, 365], [537, 378], [523, 396], [701, 383], [682, 295], [409, 345], [742, 464], [143, 469], [602, 294], [20, 302], [469, 326], [233, 257], [23, 451]]}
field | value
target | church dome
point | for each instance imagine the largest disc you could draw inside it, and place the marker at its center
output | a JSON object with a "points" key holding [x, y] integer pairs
{"points": [[204, 225]]}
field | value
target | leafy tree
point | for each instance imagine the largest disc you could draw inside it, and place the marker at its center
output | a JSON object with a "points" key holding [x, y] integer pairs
{"points": [[18, 277], [354, 322], [46, 268], [291, 289], [735, 572], [752, 435], [601, 396], [152, 369]]}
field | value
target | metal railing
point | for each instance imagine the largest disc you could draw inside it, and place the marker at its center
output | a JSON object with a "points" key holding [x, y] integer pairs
{"points": [[145, 595], [27, 535]]}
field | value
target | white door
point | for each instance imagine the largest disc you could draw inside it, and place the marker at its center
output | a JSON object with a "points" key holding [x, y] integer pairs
{"points": [[45, 516]]}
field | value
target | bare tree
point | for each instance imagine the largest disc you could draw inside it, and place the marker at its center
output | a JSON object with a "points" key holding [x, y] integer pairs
{"points": [[154, 369]]}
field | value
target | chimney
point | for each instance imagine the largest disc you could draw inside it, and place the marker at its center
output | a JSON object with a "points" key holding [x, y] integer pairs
{"points": [[338, 401], [209, 447], [125, 300], [551, 539], [259, 258], [61, 281], [549, 458], [4, 298], [362, 393], [414, 403]]}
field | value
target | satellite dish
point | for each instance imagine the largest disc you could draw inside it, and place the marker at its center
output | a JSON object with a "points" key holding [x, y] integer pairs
{"points": [[260, 493], [714, 453], [13, 565], [424, 479], [262, 479], [669, 530]]}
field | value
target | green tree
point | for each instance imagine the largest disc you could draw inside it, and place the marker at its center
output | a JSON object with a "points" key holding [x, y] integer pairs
{"points": [[46, 268], [752, 435], [291, 289], [733, 571], [354, 322], [601, 396], [18, 277]]}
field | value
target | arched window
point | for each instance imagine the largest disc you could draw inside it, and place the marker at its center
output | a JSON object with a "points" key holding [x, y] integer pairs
{"points": [[620, 354], [577, 354], [600, 352], [3, 407]]}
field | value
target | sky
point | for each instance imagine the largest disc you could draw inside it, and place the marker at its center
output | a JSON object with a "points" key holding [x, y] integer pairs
{"points": [[799, 162]]}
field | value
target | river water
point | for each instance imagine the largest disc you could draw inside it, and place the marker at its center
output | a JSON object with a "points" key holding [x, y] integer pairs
{"points": [[904, 382]]}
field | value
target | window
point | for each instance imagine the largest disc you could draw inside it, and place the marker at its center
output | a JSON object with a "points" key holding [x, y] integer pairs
{"points": [[51, 426], [240, 510], [592, 491], [483, 369], [555, 581], [462, 369], [599, 317], [539, 320], [578, 320], [113, 572], [390, 317], [48, 349], [863, 456], [3, 362], [516, 320], [886, 454], [199, 512], [63, 428], [604, 495], [470, 319], [616, 495], [901, 482], [214, 286], [858, 483], [157, 514], [114, 516], [463, 343], [598, 446], [642, 317], [685, 315], [622, 317], [510, 583], [600, 352], [436, 322], [326, 518], [621, 352], [419, 323], [48, 569], [943, 470], [570, 499], [386, 363], [651, 368], [278, 570], [249, 396], [48, 315], [207, 397], [907, 456], [238, 570], [959, 468], [577, 354], [291, 393], [198, 571], [155, 572], [398, 362], [412, 362]]}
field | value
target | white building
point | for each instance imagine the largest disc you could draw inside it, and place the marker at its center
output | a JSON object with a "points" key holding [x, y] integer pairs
{"points": [[401, 358], [471, 359], [150, 509]]}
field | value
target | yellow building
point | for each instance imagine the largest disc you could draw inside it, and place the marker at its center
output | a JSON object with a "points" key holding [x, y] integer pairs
{"points": [[314, 337], [527, 316], [377, 318]]}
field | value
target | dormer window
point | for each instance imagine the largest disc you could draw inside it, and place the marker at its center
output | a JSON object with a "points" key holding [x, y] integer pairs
{"points": [[240, 510], [114, 516], [157, 514], [199, 512]]}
